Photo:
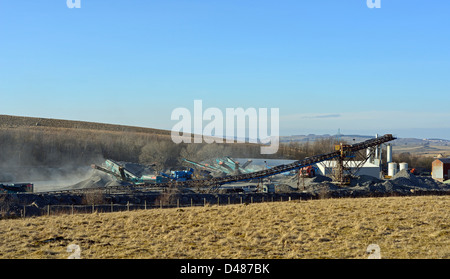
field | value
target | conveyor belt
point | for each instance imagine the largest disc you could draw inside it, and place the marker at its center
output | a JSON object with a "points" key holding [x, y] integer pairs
{"points": [[281, 168], [217, 181]]}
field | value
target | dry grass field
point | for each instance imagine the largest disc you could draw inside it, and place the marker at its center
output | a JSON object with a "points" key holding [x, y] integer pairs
{"points": [[430, 151], [403, 227]]}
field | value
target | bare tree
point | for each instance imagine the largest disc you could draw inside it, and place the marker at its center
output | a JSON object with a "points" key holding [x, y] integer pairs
{"points": [[192, 151], [164, 154]]}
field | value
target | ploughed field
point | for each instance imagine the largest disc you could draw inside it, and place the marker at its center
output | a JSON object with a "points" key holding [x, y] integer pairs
{"points": [[403, 227]]}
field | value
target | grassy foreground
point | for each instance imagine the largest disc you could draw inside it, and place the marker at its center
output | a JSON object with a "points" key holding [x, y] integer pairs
{"points": [[403, 227]]}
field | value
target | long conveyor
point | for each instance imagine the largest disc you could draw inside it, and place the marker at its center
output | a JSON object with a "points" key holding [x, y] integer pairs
{"points": [[281, 168]]}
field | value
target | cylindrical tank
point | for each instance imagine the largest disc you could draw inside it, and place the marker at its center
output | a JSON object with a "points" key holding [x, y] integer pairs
{"points": [[392, 169], [403, 166], [389, 153]]}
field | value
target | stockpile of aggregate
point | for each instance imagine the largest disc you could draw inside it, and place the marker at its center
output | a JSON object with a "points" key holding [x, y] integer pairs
{"points": [[403, 183], [97, 179]]}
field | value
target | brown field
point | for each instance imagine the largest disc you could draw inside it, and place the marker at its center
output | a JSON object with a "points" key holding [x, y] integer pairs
{"points": [[403, 227], [429, 151]]}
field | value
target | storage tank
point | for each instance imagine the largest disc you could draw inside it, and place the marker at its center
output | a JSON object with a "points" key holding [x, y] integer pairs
{"points": [[403, 166], [389, 153], [392, 169]]}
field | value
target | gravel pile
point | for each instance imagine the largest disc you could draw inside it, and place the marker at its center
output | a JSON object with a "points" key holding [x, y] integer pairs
{"points": [[402, 183], [97, 179], [365, 180], [405, 178]]}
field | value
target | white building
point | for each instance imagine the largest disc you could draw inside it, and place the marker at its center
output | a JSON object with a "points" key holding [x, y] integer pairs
{"points": [[326, 168]]}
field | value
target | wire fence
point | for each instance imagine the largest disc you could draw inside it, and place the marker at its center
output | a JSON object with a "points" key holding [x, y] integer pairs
{"points": [[118, 204], [59, 209]]}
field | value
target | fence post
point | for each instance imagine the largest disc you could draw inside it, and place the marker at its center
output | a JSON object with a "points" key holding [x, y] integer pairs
{"points": [[229, 202], [178, 203], [145, 204], [204, 201], [218, 200], [72, 209], [160, 203], [92, 208], [191, 202], [112, 209], [128, 205], [251, 199], [241, 199], [48, 210]]}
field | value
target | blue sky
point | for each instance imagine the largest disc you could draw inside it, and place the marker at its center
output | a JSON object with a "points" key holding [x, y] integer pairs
{"points": [[326, 64]]}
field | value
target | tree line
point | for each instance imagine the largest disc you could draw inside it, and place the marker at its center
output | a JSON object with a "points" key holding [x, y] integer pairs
{"points": [[53, 147]]}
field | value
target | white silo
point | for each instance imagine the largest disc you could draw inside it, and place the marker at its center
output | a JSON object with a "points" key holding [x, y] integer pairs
{"points": [[392, 169], [389, 153], [403, 166], [377, 148]]}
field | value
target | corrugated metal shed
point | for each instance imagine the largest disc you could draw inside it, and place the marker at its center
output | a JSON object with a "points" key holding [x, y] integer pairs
{"points": [[441, 169]]}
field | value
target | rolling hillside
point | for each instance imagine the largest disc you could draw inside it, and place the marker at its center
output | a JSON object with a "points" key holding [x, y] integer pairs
{"points": [[403, 227], [9, 121], [415, 146], [34, 148]]}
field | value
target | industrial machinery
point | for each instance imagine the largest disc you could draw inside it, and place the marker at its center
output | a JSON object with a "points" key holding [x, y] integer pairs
{"points": [[17, 188], [343, 154], [223, 166], [309, 171], [136, 176], [183, 175], [206, 170], [235, 167]]}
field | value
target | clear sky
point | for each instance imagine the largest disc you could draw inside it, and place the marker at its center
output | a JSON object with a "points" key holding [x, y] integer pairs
{"points": [[326, 64]]}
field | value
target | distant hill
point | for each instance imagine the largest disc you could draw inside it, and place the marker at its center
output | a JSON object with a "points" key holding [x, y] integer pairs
{"points": [[424, 147], [31, 142], [35, 141], [360, 138], [313, 137], [9, 121], [424, 142]]}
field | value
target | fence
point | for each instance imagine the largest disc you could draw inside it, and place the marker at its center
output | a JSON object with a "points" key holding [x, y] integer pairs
{"points": [[147, 201], [58, 209]]}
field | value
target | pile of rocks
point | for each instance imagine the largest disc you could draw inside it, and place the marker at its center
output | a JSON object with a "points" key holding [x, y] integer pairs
{"points": [[402, 183]]}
